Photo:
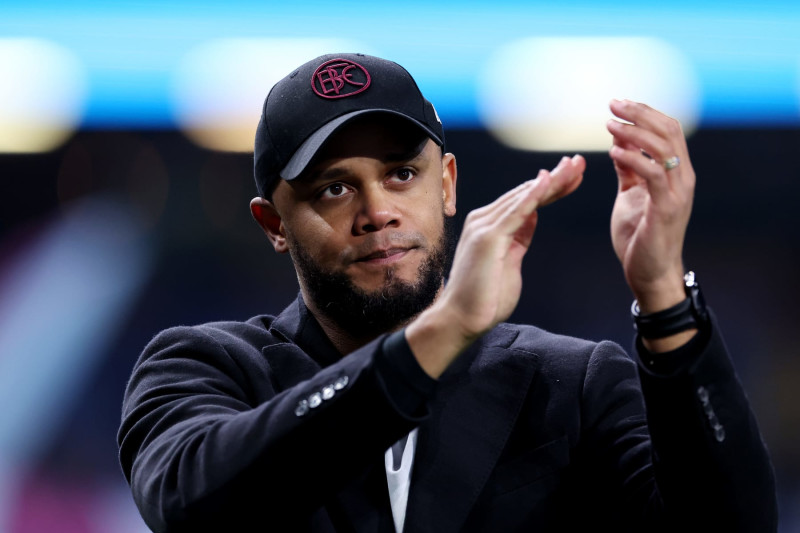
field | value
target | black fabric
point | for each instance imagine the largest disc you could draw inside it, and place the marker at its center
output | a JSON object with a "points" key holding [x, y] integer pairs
{"points": [[294, 109], [672, 362], [527, 430], [406, 383]]}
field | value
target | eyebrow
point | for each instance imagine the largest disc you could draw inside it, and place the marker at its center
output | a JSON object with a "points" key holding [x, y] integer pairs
{"points": [[332, 174]]}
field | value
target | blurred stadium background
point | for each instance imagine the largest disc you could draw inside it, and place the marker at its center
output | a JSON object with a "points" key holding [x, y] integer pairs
{"points": [[126, 169]]}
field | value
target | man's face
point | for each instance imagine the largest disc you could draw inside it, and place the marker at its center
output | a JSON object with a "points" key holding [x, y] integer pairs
{"points": [[365, 224]]}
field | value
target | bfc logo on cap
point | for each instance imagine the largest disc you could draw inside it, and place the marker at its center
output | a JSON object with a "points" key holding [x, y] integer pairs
{"points": [[338, 78]]}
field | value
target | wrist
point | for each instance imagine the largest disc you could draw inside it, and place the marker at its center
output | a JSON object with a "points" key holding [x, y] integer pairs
{"points": [[660, 294], [678, 322], [435, 340]]}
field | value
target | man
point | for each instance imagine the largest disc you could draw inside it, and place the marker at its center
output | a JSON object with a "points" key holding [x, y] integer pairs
{"points": [[392, 396]]}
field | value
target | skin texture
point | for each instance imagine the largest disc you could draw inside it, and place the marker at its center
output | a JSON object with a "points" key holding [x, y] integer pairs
{"points": [[372, 205]]}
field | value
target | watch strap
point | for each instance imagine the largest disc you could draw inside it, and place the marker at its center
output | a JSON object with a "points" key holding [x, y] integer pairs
{"points": [[687, 314]]}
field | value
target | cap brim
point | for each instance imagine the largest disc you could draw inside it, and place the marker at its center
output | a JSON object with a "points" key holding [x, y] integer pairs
{"points": [[303, 155]]}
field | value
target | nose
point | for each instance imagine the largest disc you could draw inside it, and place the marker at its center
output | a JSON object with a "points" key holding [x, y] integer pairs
{"points": [[376, 211]]}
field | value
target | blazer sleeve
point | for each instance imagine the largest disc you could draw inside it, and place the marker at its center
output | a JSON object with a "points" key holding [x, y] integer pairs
{"points": [[209, 442], [711, 464]]}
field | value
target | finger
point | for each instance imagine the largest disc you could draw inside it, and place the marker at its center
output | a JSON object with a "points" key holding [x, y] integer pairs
{"points": [[648, 169], [566, 177], [566, 189], [524, 234], [658, 147], [657, 122], [489, 217], [506, 198], [562, 175], [626, 175], [622, 143], [529, 199], [643, 115], [568, 169], [513, 215]]}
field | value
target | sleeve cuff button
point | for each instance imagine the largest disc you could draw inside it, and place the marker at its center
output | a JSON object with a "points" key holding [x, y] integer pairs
{"points": [[327, 392], [302, 408], [314, 400]]}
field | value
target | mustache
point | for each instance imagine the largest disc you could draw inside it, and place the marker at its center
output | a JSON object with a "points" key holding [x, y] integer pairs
{"points": [[375, 244]]}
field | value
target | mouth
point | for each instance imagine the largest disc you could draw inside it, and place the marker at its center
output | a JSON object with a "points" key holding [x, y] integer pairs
{"points": [[383, 257]]}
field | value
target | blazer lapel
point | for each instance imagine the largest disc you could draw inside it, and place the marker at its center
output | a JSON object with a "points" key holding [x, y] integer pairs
{"points": [[475, 409]]}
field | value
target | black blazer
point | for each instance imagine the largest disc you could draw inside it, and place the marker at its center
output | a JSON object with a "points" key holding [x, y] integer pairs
{"points": [[262, 426]]}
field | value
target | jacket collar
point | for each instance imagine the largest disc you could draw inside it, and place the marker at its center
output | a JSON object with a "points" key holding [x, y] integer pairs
{"points": [[297, 325]]}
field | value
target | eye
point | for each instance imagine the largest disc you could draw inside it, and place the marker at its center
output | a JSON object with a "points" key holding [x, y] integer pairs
{"points": [[334, 190], [404, 174]]}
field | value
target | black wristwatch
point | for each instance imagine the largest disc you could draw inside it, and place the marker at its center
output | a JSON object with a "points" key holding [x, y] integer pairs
{"points": [[688, 314]]}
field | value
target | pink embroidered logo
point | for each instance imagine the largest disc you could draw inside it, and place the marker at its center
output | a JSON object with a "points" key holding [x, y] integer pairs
{"points": [[338, 78]]}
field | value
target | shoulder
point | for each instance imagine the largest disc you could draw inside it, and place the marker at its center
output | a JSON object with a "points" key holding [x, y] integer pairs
{"points": [[546, 343], [581, 374], [559, 352], [251, 331], [221, 354], [254, 332]]}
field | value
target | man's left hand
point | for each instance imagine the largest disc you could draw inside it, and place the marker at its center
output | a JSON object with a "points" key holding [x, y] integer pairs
{"points": [[654, 201]]}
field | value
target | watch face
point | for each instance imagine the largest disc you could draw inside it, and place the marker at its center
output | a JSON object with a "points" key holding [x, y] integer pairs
{"points": [[690, 279]]}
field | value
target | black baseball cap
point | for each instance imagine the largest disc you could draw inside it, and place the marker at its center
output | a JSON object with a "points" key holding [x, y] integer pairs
{"points": [[303, 109]]}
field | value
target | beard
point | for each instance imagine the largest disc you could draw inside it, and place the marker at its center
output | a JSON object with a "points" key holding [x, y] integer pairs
{"points": [[367, 314]]}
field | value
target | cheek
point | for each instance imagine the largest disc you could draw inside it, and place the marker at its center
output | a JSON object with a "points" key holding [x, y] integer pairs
{"points": [[317, 236], [431, 220]]}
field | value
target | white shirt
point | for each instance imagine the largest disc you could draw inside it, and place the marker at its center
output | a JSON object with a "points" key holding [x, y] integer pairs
{"points": [[399, 479]]}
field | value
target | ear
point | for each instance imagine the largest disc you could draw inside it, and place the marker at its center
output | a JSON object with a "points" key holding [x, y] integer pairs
{"points": [[267, 216], [449, 177]]}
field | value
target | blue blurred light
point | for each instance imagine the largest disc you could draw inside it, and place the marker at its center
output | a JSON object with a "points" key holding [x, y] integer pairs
{"points": [[746, 56], [62, 301]]}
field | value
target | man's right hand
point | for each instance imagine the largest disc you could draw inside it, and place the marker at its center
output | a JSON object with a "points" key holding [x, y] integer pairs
{"points": [[485, 282]]}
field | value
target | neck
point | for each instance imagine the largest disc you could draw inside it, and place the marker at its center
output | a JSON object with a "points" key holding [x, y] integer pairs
{"points": [[343, 340]]}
